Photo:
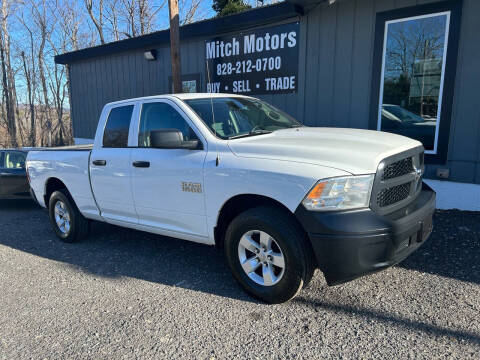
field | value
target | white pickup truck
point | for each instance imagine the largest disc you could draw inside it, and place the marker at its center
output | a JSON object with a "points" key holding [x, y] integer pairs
{"points": [[281, 199]]}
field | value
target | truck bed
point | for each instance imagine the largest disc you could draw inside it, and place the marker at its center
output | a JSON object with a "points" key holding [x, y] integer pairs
{"points": [[70, 165]]}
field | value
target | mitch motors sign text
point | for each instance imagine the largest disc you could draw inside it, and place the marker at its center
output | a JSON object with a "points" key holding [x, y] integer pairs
{"points": [[263, 61]]}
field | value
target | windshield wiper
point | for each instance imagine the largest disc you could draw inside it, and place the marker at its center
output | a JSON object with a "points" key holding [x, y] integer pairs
{"points": [[251, 133]]}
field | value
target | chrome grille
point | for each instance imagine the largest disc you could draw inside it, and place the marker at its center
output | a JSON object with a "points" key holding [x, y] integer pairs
{"points": [[393, 195], [398, 181], [398, 168]]}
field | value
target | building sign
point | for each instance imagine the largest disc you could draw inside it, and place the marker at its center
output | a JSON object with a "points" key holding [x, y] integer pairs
{"points": [[263, 61]]}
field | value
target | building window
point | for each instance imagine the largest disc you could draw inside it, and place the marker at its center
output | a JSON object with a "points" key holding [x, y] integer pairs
{"points": [[414, 71]]}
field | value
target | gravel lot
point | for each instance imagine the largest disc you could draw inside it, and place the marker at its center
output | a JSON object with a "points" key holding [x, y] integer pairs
{"points": [[127, 294]]}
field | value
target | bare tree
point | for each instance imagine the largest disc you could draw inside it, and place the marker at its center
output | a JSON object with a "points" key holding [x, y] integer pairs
{"points": [[143, 16], [129, 17], [97, 20], [8, 78], [190, 11], [58, 84], [138, 16], [70, 19], [33, 88], [29, 72], [43, 28], [147, 13], [112, 17]]}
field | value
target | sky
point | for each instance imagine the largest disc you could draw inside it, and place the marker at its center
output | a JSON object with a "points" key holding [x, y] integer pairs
{"points": [[205, 10]]}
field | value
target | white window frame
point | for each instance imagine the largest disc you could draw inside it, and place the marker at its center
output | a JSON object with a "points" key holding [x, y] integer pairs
{"points": [[442, 78]]}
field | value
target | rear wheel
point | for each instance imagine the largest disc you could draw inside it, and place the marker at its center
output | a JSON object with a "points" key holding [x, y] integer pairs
{"points": [[68, 223], [268, 254]]}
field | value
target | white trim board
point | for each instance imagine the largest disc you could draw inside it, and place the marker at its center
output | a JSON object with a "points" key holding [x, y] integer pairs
{"points": [[456, 195], [82, 141]]}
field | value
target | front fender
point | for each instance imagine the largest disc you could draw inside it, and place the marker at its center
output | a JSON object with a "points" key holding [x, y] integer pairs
{"points": [[283, 181]]}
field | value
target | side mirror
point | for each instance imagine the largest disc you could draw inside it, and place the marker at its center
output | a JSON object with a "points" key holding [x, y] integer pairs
{"points": [[172, 139]]}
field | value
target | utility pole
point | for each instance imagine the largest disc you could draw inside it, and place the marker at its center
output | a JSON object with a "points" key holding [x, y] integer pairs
{"points": [[175, 45]]}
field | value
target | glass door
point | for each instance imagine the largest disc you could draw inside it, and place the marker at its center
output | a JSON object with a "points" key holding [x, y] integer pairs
{"points": [[412, 78]]}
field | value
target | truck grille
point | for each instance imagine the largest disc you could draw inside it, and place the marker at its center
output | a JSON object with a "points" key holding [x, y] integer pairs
{"points": [[398, 181], [393, 195], [398, 168]]}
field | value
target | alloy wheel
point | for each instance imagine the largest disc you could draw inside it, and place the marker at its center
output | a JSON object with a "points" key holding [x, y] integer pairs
{"points": [[62, 217], [261, 257]]}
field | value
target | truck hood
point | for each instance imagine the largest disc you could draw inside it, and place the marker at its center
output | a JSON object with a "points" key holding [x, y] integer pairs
{"points": [[352, 150]]}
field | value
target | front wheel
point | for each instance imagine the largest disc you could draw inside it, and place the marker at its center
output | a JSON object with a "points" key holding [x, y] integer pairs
{"points": [[67, 221], [269, 254]]}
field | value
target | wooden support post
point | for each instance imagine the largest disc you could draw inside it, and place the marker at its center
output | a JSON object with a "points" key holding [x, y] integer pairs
{"points": [[175, 45]]}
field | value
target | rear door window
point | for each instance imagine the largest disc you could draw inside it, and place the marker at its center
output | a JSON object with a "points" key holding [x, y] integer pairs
{"points": [[117, 127]]}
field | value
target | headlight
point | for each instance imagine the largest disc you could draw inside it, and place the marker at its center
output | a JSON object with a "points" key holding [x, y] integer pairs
{"points": [[340, 193]]}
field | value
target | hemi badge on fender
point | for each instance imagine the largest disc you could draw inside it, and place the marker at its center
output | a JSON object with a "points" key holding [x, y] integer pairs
{"points": [[191, 187]]}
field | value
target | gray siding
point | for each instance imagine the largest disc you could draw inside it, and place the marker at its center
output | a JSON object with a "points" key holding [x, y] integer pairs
{"points": [[335, 67]]}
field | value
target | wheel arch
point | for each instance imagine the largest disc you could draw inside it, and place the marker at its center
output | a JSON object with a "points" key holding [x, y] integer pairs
{"points": [[51, 185], [240, 203]]}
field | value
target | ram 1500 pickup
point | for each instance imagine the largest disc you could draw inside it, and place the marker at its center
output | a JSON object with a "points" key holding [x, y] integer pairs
{"points": [[281, 199]]}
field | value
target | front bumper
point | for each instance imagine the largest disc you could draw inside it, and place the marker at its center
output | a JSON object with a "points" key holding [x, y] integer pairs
{"points": [[349, 244]]}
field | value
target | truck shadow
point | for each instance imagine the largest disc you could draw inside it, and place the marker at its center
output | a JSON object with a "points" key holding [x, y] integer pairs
{"points": [[453, 249], [18, 204], [111, 251]]}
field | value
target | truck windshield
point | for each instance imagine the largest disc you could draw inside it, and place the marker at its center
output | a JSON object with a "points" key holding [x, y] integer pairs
{"points": [[239, 117]]}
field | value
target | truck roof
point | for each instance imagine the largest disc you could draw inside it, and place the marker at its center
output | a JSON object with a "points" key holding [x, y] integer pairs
{"points": [[186, 96], [182, 96]]}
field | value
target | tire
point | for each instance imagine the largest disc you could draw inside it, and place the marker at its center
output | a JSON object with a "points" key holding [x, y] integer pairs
{"points": [[76, 227], [262, 224]]}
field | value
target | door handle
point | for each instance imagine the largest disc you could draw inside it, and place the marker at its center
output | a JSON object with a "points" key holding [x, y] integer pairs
{"points": [[141, 164], [99, 162]]}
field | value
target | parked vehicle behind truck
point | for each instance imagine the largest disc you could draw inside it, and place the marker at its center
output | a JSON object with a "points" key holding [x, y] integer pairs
{"points": [[279, 198], [13, 177]]}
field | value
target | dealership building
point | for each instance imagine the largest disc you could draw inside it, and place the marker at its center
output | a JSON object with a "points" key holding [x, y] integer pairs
{"points": [[409, 67]]}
